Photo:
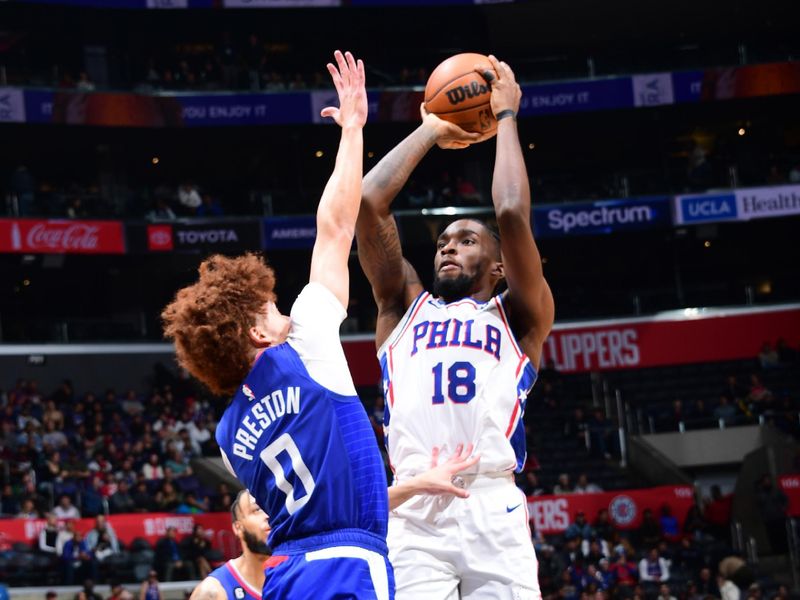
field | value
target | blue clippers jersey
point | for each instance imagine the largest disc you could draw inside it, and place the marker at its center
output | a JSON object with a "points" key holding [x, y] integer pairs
{"points": [[236, 588], [307, 454]]}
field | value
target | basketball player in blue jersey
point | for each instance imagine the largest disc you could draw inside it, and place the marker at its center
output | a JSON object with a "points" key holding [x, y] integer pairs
{"points": [[458, 365], [241, 578], [295, 433]]}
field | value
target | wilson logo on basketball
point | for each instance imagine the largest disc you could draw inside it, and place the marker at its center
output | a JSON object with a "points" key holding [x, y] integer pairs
{"points": [[460, 93]]}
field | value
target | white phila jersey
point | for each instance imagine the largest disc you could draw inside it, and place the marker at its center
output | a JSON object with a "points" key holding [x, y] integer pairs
{"points": [[454, 373]]}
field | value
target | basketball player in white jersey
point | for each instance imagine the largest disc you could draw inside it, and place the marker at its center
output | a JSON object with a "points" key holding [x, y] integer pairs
{"points": [[458, 365]]}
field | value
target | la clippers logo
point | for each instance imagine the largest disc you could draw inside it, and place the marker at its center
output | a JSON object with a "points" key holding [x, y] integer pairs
{"points": [[159, 237], [248, 392], [623, 510]]}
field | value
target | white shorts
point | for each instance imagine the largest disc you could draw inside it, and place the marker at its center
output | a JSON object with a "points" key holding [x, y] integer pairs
{"points": [[444, 548]]}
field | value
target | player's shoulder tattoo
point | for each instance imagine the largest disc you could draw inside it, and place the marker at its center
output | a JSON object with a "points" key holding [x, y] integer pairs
{"points": [[209, 589]]}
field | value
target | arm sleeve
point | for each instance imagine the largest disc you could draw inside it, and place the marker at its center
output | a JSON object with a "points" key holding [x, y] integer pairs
{"points": [[316, 316]]}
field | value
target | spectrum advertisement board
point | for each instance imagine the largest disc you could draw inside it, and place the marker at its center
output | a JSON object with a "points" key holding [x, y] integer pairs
{"points": [[602, 217]]}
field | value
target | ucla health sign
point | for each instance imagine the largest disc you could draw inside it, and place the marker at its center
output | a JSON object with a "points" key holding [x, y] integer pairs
{"points": [[738, 205], [602, 217], [705, 208]]}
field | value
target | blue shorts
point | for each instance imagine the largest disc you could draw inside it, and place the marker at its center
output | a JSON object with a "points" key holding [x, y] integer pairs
{"points": [[313, 568]]}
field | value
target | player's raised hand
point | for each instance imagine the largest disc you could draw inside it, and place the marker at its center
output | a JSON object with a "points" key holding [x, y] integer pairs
{"points": [[450, 136], [349, 80], [506, 93]]}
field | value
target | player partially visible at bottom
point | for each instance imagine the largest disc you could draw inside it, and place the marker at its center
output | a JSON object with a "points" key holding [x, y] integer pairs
{"points": [[240, 578]]}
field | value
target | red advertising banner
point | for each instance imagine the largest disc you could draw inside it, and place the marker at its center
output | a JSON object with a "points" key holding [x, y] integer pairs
{"points": [[672, 338], [150, 526], [790, 484], [553, 514], [39, 236]]}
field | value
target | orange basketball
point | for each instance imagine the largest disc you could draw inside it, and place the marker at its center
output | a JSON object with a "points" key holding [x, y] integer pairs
{"points": [[456, 93]]}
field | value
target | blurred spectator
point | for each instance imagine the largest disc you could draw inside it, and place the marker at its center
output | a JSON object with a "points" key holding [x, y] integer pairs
{"points": [[89, 592], [531, 486], [189, 197], [718, 513], [582, 486], [152, 469], [49, 535], [669, 524], [23, 186], [577, 425], [84, 84], [210, 207], [161, 211], [602, 526], [772, 504], [625, 573], [195, 549], [78, 559], [28, 510], [121, 501], [65, 509], [768, 357], [9, 504], [649, 532], [579, 528], [725, 411], [706, 585], [758, 395], [653, 568], [66, 533], [732, 390], [664, 593], [102, 528], [729, 588], [149, 589], [142, 498], [563, 486], [168, 556]]}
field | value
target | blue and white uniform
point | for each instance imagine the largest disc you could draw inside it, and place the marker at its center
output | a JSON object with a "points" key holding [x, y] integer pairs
{"points": [[454, 373], [235, 586], [297, 436]]}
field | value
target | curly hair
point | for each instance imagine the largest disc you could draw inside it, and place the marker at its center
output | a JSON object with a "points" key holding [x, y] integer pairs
{"points": [[209, 320]]}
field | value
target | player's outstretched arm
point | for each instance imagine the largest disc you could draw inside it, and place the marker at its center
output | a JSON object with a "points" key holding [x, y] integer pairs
{"points": [[394, 282], [436, 481], [338, 207], [209, 589], [529, 297]]}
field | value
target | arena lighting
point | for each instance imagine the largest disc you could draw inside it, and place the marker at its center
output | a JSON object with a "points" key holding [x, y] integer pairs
{"points": [[370, 154], [26, 282], [155, 160], [319, 153], [544, 260], [742, 131], [707, 244], [765, 287], [531, 146]]}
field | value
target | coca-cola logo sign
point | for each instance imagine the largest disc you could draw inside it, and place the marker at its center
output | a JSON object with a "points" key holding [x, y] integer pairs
{"points": [[60, 237], [74, 237]]}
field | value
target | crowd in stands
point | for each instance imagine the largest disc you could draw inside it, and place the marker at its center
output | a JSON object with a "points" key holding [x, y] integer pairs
{"points": [[743, 398], [66, 455]]}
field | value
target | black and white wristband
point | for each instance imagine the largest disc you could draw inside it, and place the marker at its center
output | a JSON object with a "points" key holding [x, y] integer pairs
{"points": [[506, 113]]}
